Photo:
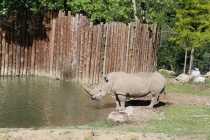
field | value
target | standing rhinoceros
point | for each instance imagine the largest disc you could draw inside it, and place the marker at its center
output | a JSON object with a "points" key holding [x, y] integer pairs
{"points": [[122, 85]]}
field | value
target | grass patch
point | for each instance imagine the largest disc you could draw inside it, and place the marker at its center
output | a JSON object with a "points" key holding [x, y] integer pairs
{"points": [[166, 74], [189, 88], [107, 123], [8, 130], [182, 121], [88, 138], [104, 123], [207, 81], [66, 132]]}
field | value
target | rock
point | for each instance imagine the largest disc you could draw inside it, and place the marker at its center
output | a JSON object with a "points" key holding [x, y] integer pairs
{"points": [[199, 79], [195, 72], [118, 116], [183, 77], [172, 73], [208, 74], [121, 116], [128, 110]]}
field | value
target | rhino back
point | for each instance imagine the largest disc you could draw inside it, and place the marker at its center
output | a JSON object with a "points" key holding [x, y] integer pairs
{"points": [[137, 84], [157, 80], [132, 84]]}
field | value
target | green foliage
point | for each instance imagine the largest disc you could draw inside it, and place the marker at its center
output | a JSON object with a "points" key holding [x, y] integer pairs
{"points": [[202, 58], [104, 10], [158, 11], [193, 25], [166, 74], [171, 57], [182, 121], [52, 5], [193, 31], [14, 6], [96, 10]]}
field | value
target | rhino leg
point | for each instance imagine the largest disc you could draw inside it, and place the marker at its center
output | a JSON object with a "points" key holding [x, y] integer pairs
{"points": [[117, 104], [154, 101], [120, 102]]}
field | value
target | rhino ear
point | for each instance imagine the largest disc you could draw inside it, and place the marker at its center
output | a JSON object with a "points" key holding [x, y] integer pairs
{"points": [[105, 78]]}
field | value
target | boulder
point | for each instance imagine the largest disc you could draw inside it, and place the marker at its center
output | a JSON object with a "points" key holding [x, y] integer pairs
{"points": [[172, 73], [208, 74], [183, 77], [195, 72], [199, 79], [121, 116]]}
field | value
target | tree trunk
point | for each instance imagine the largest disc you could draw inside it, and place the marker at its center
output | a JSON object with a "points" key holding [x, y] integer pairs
{"points": [[191, 60], [185, 61], [134, 9], [143, 12]]}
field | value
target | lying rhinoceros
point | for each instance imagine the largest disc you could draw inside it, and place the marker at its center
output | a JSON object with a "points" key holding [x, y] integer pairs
{"points": [[122, 85]]}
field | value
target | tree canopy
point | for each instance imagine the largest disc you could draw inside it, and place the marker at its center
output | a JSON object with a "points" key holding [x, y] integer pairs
{"points": [[104, 10], [184, 21], [160, 11], [96, 10], [193, 23]]}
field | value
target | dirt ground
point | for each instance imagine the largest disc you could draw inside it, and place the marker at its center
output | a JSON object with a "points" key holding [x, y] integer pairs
{"points": [[140, 114]]}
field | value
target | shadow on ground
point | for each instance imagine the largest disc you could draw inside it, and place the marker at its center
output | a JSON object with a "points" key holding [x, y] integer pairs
{"points": [[143, 103], [135, 102]]}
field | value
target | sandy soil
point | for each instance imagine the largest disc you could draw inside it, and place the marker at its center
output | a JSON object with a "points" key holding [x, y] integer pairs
{"points": [[138, 117]]}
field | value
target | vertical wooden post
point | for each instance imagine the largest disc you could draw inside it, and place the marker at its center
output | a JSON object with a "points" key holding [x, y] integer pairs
{"points": [[3, 54], [61, 48], [102, 49], [90, 39], [6, 67], [10, 66], [97, 55], [127, 50], [1, 34], [93, 55], [69, 38], [105, 48], [25, 48], [22, 41], [82, 49], [78, 41], [51, 45], [58, 44], [54, 43], [65, 52]]}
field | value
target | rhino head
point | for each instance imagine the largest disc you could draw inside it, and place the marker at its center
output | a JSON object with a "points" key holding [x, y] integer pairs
{"points": [[98, 91]]}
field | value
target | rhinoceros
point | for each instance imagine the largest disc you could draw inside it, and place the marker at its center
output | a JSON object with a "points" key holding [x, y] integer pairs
{"points": [[122, 85]]}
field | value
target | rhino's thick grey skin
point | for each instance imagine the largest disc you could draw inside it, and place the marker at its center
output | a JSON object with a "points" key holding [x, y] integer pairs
{"points": [[122, 85]]}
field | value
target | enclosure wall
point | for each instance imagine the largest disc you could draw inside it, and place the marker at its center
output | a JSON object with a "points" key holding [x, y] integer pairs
{"points": [[55, 45]]}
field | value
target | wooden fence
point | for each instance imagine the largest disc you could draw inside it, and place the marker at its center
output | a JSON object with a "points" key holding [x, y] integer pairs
{"points": [[73, 48]]}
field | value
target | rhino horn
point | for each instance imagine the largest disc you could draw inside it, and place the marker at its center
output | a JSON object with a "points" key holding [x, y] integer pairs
{"points": [[88, 90]]}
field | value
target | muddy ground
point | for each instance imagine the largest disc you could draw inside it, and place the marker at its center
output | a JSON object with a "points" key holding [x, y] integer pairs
{"points": [[141, 113]]}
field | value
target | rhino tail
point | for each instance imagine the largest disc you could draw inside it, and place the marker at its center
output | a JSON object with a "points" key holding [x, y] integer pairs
{"points": [[163, 91]]}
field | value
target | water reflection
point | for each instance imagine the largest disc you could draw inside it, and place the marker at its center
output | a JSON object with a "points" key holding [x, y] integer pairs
{"points": [[40, 101]]}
